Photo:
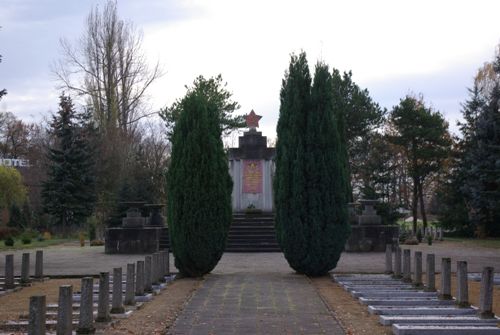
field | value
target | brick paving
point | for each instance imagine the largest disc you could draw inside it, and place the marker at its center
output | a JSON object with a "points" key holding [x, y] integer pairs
{"points": [[256, 303]]}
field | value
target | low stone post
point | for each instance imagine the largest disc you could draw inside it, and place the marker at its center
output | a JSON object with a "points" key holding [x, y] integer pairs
{"points": [[39, 264], [388, 258], [139, 283], [397, 263], [117, 300], [65, 311], [36, 323], [25, 269], [164, 265], [9, 272], [103, 302], [86, 320], [418, 269], [445, 279], [147, 274], [462, 285], [407, 265], [130, 285], [486, 294], [431, 273], [167, 255], [154, 268], [161, 266]]}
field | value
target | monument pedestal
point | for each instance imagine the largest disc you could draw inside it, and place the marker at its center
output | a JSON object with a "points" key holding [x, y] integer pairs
{"points": [[369, 234], [138, 234], [133, 240]]}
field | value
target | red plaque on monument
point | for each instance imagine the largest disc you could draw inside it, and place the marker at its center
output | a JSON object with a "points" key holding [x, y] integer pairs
{"points": [[252, 176]]}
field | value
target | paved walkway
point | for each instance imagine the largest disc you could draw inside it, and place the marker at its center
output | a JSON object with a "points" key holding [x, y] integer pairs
{"points": [[256, 303]]}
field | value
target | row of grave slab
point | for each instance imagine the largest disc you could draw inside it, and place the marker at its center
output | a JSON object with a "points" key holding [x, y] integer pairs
{"points": [[96, 305], [403, 302]]}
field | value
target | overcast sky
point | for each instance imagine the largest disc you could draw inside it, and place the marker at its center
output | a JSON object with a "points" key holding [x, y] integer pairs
{"points": [[392, 47]]}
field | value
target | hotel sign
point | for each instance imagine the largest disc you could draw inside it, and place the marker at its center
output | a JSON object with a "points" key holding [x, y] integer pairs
{"points": [[14, 162]]}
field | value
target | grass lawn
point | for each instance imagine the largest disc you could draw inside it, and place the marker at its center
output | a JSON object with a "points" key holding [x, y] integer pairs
{"points": [[18, 244], [493, 243]]}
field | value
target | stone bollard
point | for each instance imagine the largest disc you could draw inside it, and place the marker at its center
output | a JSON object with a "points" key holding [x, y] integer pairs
{"points": [[65, 311], [397, 263], [445, 279], [103, 302], [117, 300], [161, 266], [36, 324], [147, 275], [388, 258], [9, 272], [462, 285], [39, 264], [486, 294], [86, 320], [139, 278], [431, 273], [130, 285], [418, 269], [407, 265], [167, 263], [25, 269], [154, 268]]}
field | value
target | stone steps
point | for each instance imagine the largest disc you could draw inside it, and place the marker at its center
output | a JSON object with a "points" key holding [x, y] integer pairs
{"points": [[252, 233], [412, 311], [248, 233]]}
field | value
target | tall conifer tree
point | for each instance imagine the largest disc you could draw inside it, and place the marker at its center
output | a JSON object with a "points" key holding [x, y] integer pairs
{"points": [[482, 168], [311, 177], [69, 191], [199, 185]]}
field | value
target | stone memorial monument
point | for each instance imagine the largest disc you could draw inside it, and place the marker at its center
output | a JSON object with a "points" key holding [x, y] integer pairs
{"points": [[251, 166], [138, 234], [368, 232]]}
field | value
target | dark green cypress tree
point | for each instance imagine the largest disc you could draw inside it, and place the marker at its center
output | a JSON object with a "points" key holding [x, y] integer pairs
{"points": [[311, 177], [69, 192], [198, 185], [289, 182]]}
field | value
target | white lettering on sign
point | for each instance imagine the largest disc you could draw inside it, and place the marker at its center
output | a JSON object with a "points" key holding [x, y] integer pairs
{"points": [[11, 162]]}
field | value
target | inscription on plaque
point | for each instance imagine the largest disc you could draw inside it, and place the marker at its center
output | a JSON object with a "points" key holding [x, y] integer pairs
{"points": [[252, 176]]}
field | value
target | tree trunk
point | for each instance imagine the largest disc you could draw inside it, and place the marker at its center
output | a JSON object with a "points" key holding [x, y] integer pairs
{"points": [[415, 204], [422, 205]]}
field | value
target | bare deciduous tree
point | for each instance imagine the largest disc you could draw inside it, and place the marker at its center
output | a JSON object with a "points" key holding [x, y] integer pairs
{"points": [[107, 68]]}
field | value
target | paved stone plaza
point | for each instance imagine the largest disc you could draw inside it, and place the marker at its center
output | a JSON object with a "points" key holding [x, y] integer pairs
{"points": [[76, 261], [251, 293], [256, 303]]}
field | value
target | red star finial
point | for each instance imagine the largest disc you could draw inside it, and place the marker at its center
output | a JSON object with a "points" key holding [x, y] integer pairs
{"points": [[252, 120]]}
